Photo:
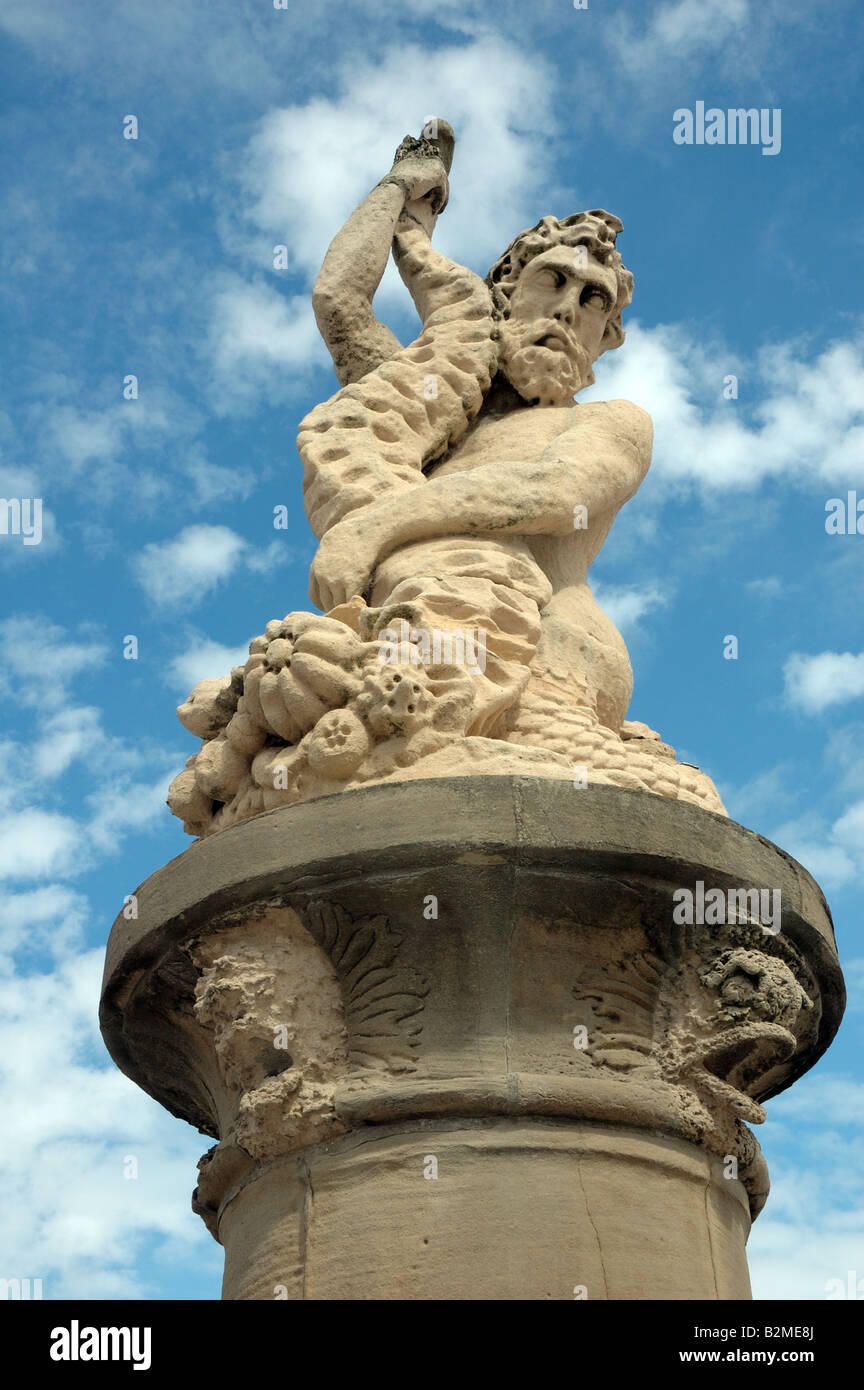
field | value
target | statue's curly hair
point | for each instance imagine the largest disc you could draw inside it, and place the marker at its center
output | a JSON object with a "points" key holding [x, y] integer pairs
{"points": [[596, 230]]}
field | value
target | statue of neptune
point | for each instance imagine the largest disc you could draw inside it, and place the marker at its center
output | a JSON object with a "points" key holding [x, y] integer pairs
{"points": [[459, 496]]}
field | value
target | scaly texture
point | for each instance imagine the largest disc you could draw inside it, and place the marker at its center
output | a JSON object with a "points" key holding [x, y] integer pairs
{"points": [[376, 435]]}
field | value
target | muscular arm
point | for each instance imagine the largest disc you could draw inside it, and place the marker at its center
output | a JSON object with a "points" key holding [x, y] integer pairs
{"points": [[342, 297], [347, 281], [598, 464]]}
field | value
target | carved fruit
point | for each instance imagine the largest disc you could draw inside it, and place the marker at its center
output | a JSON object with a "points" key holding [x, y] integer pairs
{"points": [[220, 769], [337, 745], [394, 701], [277, 769], [189, 802], [209, 707], [303, 666], [332, 683], [243, 733], [279, 719]]}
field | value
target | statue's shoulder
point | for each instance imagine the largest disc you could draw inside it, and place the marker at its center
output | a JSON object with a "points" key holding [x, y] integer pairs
{"points": [[621, 418]]}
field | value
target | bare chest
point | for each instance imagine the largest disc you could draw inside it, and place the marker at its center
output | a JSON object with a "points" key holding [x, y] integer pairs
{"points": [[525, 434]]}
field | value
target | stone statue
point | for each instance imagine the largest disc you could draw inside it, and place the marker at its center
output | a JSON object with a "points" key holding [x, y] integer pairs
{"points": [[576, 1000], [459, 496]]}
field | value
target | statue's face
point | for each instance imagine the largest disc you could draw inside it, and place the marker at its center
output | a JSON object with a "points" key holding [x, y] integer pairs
{"points": [[559, 310]]}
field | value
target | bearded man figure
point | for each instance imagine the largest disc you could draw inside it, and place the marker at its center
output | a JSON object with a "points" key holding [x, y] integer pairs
{"points": [[579, 1041], [459, 496], [459, 485]]}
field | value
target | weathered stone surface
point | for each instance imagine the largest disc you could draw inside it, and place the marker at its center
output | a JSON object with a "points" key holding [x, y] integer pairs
{"points": [[459, 497], [406, 1034], [428, 977], [519, 1210]]}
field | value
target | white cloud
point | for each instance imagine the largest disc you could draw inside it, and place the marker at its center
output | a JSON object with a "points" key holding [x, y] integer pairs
{"points": [[696, 23], [26, 640], [161, 42], [758, 799], [70, 1215], [843, 758], [34, 843], [185, 568], [832, 852], [127, 806], [302, 173], [199, 558], [807, 423], [70, 734], [770, 587], [71, 1219], [37, 841], [626, 605], [825, 1100], [51, 917], [813, 1144], [82, 437], [304, 169], [202, 660], [834, 1245], [252, 321], [213, 482], [676, 44], [119, 447], [259, 342], [848, 830], [681, 30], [815, 682], [76, 735], [70, 1120], [263, 559], [853, 971]]}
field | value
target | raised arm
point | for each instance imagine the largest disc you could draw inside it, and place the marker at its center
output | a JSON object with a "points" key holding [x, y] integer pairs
{"points": [[598, 464], [416, 187]]}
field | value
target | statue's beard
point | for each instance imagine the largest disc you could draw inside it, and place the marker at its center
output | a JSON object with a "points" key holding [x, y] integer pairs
{"points": [[543, 362]]}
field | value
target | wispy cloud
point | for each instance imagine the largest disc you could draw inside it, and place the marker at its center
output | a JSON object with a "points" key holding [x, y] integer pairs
{"points": [[26, 640], [183, 569], [807, 423], [73, 1217], [626, 606], [832, 850], [303, 171], [813, 683], [203, 659]]}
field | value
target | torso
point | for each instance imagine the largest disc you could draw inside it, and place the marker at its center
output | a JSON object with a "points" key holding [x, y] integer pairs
{"points": [[521, 433], [576, 634]]}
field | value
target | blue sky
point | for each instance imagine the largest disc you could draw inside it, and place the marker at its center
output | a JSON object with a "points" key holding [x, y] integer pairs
{"points": [[154, 257]]}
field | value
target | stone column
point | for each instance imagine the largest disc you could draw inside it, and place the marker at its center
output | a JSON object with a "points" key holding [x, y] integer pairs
{"points": [[453, 1043]]}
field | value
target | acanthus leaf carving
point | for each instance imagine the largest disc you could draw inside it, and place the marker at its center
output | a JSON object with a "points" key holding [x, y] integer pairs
{"points": [[383, 998]]}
